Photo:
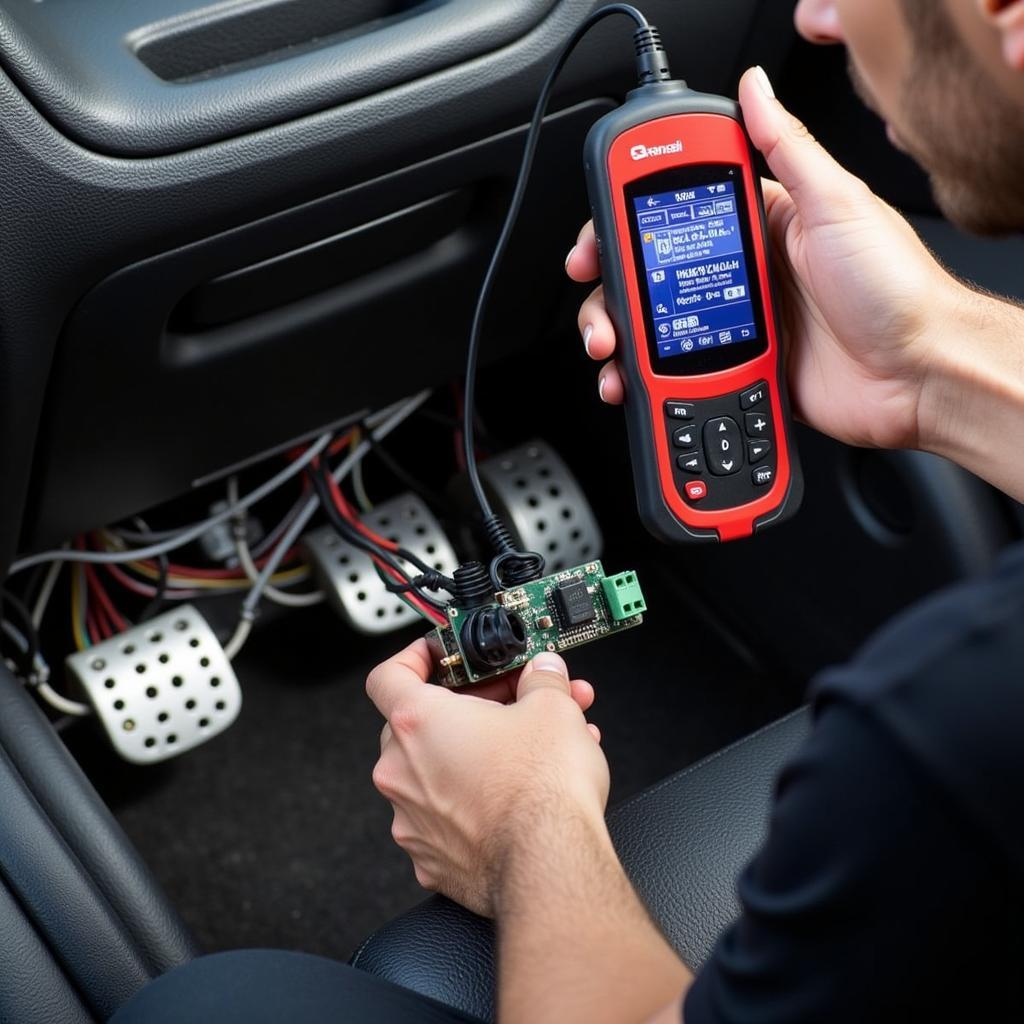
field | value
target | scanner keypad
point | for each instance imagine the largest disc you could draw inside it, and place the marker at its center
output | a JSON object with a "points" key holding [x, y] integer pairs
{"points": [[724, 449]]}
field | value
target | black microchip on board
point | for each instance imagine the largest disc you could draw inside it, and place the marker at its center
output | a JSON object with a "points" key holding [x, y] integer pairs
{"points": [[574, 603]]}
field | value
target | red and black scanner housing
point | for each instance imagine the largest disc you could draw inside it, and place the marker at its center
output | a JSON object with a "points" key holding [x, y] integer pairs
{"points": [[677, 504]]}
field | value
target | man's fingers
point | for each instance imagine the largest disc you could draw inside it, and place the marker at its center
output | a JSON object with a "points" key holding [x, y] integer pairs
{"points": [[594, 731], [385, 736], [583, 693], [582, 263], [596, 326], [399, 677], [808, 173], [500, 690], [610, 386], [544, 672]]}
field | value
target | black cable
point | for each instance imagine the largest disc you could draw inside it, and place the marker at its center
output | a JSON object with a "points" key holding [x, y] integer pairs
{"points": [[157, 601], [430, 578], [526, 165], [511, 567], [399, 472]]}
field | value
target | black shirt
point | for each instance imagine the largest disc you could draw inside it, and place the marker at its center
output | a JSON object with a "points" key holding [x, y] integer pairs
{"points": [[890, 885]]}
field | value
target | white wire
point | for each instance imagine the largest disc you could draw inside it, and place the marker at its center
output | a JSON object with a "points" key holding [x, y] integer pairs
{"points": [[187, 535], [252, 600], [248, 566], [238, 638], [62, 704], [42, 676], [45, 593], [365, 505]]}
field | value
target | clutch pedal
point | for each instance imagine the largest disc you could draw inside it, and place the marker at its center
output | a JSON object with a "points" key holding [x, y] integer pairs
{"points": [[347, 574], [159, 688]]}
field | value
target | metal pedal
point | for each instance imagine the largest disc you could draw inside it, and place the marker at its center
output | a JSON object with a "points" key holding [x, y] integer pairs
{"points": [[159, 688], [534, 491], [347, 575]]}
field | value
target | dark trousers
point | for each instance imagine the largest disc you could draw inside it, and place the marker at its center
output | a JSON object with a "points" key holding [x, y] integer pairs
{"points": [[265, 986]]}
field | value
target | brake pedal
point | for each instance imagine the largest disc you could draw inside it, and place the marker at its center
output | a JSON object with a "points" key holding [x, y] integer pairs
{"points": [[347, 574], [534, 491], [160, 688]]}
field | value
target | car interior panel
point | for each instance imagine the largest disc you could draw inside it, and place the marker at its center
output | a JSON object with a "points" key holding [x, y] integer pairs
{"points": [[236, 231]]}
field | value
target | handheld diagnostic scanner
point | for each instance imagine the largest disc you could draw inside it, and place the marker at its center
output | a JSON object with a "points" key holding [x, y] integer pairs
{"points": [[680, 223]]}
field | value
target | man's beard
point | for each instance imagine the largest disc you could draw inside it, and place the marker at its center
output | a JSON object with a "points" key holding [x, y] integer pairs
{"points": [[959, 127]]}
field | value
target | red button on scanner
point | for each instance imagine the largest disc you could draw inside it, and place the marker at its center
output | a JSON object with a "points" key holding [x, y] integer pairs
{"points": [[696, 490]]}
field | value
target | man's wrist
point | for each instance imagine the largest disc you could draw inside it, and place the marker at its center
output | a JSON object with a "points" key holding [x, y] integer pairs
{"points": [[974, 374], [538, 847]]}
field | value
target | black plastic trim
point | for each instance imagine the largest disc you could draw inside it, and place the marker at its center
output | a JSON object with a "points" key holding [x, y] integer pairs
{"points": [[159, 76]]}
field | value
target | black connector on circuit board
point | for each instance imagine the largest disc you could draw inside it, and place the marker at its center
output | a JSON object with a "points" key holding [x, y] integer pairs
{"points": [[555, 613]]}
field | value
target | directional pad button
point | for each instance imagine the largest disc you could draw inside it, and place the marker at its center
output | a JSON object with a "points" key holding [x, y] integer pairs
{"points": [[723, 446]]}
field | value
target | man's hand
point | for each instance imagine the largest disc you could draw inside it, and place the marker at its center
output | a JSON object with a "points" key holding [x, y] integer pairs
{"points": [[864, 304], [501, 807], [474, 782]]}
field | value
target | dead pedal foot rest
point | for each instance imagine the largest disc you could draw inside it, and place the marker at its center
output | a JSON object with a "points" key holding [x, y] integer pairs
{"points": [[160, 688], [347, 575]]}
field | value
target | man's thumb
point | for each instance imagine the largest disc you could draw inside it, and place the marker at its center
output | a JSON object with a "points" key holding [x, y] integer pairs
{"points": [[544, 672], [807, 172]]}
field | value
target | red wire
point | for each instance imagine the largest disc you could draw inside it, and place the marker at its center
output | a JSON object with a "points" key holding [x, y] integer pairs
{"points": [[103, 623], [342, 505], [115, 617], [432, 613], [90, 627]]}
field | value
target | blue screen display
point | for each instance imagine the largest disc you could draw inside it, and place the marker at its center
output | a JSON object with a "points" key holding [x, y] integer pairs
{"points": [[696, 268]]}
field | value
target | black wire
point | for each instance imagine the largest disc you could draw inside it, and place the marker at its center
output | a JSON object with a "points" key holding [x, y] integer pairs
{"points": [[529, 151], [157, 601], [409, 556], [400, 473], [349, 532]]}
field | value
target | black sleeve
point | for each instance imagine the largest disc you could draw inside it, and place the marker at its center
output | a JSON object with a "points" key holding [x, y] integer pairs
{"points": [[860, 905]]}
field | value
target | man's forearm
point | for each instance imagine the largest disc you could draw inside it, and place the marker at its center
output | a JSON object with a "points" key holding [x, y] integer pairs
{"points": [[574, 941], [972, 404]]}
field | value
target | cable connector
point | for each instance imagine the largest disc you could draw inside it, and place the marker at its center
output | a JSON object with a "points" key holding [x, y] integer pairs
{"points": [[651, 58]]}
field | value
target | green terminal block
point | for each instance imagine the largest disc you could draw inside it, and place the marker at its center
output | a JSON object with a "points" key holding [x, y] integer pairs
{"points": [[623, 594]]}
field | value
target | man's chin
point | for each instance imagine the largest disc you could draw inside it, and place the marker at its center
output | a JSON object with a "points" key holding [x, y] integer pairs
{"points": [[895, 139], [966, 209]]}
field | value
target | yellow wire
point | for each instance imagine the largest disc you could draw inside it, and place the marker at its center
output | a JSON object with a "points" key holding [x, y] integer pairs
{"points": [[76, 608], [295, 575]]}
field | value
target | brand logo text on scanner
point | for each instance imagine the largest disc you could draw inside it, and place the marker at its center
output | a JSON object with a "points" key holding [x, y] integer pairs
{"points": [[643, 152]]}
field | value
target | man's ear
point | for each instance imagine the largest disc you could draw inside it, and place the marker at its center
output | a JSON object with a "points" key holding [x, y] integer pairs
{"points": [[1007, 17]]}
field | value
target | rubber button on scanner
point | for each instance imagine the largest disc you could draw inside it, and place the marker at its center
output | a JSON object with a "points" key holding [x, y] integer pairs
{"points": [[696, 489], [763, 476], [685, 437], [754, 396], [691, 463], [758, 424], [723, 446], [757, 451], [679, 410]]}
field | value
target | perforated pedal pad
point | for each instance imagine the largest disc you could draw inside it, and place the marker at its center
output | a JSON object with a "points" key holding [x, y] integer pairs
{"points": [[535, 491], [159, 688], [347, 575]]}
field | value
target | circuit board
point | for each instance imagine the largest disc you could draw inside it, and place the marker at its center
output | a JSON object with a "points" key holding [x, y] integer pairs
{"points": [[561, 611]]}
